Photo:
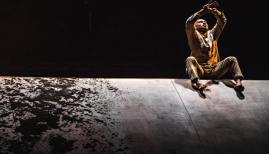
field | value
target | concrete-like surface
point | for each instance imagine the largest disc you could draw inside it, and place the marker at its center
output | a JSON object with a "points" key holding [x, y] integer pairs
{"points": [[68, 115]]}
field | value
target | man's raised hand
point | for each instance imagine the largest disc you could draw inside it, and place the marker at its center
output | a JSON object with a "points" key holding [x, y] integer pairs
{"points": [[210, 5], [214, 4]]}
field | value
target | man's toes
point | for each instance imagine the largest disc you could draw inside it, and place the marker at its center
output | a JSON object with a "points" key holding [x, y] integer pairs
{"points": [[240, 87], [202, 87]]}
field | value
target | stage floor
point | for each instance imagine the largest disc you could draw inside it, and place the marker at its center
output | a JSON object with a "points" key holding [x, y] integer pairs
{"points": [[158, 116]]}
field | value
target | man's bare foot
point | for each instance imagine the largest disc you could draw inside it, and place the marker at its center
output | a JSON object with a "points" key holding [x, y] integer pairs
{"points": [[239, 86], [201, 85]]}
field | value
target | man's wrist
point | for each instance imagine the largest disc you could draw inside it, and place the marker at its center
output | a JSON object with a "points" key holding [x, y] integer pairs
{"points": [[216, 12]]}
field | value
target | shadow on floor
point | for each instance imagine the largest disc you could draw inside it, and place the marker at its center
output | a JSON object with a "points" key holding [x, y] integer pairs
{"points": [[193, 87], [230, 84]]}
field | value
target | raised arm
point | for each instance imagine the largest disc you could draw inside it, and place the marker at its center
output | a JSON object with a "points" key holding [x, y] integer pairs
{"points": [[190, 24], [192, 19], [221, 22], [208, 8]]}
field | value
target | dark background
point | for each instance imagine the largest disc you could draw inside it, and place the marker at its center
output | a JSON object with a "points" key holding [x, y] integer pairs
{"points": [[122, 38]]}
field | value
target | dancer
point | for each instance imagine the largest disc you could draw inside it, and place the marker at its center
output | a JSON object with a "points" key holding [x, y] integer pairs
{"points": [[204, 61]]}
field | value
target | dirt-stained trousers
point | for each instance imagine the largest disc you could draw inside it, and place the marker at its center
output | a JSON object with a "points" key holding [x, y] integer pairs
{"points": [[195, 70]]}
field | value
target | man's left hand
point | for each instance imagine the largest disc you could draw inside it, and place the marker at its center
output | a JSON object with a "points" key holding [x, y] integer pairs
{"points": [[210, 7]]}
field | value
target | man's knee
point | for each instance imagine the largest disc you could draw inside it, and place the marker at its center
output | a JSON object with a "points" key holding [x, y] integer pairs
{"points": [[191, 59], [232, 58]]}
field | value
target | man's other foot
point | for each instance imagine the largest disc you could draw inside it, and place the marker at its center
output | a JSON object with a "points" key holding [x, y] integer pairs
{"points": [[201, 86], [239, 87]]}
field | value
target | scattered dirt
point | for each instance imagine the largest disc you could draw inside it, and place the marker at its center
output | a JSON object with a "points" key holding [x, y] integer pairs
{"points": [[58, 115]]}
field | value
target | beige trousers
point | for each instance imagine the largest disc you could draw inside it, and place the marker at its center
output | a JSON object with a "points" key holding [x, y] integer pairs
{"points": [[195, 70]]}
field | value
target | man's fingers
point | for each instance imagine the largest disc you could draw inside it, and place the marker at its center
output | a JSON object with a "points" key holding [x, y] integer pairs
{"points": [[214, 4], [211, 4], [208, 4]]}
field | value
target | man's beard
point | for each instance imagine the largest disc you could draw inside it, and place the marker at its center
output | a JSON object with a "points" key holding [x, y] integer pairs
{"points": [[202, 29]]}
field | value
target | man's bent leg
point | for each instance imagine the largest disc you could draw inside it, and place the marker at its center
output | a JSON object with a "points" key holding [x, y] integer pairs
{"points": [[193, 69], [229, 63]]}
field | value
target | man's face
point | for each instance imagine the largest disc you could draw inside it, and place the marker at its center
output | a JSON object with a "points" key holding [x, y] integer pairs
{"points": [[201, 24]]}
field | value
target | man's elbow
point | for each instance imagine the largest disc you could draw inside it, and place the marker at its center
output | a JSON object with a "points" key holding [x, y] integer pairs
{"points": [[222, 21], [225, 20], [190, 20]]}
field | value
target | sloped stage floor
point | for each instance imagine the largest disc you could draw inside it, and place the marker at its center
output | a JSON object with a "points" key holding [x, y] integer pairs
{"points": [[155, 116]]}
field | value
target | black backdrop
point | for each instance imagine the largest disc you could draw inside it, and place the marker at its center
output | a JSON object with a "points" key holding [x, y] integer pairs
{"points": [[128, 38]]}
